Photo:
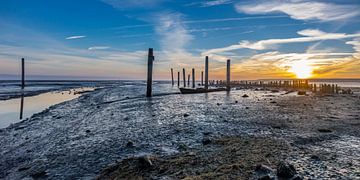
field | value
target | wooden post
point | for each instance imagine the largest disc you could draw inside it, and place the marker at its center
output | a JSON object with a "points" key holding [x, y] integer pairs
{"points": [[150, 68], [22, 73], [193, 77], [228, 75], [202, 78], [22, 105], [178, 78], [206, 72], [172, 77], [184, 77]]}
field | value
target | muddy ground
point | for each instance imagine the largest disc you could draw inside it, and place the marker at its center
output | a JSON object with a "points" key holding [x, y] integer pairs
{"points": [[199, 136]]}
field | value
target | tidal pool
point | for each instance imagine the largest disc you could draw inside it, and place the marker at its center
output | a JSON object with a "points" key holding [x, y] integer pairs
{"points": [[16, 110]]}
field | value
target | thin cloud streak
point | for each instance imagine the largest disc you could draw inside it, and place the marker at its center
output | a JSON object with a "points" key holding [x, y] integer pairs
{"points": [[310, 36], [98, 48], [74, 37]]}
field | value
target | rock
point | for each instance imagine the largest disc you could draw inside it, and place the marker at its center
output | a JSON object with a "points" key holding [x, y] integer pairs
{"points": [[325, 130], [246, 107], [275, 91], [264, 172], [206, 133], [87, 131], [236, 102], [218, 104], [315, 157], [186, 115], [206, 141], [145, 162], [286, 170], [245, 96], [302, 93], [129, 144], [273, 102]]}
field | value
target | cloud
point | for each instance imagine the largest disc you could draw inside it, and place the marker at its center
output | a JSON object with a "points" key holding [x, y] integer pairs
{"points": [[310, 35], [122, 4], [301, 9], [98, 48], [75, 37], [215, 3]]}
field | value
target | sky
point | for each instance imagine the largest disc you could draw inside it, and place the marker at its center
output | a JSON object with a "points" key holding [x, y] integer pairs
{"points": [[109, 39]]}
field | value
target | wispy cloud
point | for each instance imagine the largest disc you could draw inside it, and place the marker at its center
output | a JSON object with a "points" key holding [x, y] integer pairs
{"points": [[122, 4], [98, 48], [301, 9], [310, 35], [75, 37], [215, 3]]}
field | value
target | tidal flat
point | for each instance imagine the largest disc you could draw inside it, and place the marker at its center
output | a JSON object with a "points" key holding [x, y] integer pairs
{"points": [[116, 132]]}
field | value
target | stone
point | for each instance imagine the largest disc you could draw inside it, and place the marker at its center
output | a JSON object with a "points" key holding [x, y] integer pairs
{"points": [[130, 144], [245, 96], [236, 102], [145, 162], [302, 93], [315, 157], [206, 141], [286, 170], [186, 115], [325, 130], [263, 172], [87, 131]]}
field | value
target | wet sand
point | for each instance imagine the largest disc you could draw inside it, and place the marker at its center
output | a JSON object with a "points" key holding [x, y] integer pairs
{"points": [[216, 135]]}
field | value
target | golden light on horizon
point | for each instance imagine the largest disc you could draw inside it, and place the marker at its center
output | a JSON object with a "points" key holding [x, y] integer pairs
{"points": [[301, 69]]}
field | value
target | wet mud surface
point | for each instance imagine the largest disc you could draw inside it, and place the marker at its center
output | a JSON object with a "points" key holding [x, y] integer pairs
{"points": [[82, 137]]}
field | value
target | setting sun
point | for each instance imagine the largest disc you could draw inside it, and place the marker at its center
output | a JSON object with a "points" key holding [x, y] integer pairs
{"points": [[301, 69]]}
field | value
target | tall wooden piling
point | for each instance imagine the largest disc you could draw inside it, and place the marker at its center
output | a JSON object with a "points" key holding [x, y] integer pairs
{"points": [[206, 72], [172, 77], [178, 79], [193, 77], [184, 78], [149, 75], [22, 73], [228, 75]]}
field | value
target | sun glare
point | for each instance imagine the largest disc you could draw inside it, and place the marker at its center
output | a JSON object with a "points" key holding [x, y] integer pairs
{"points": [[301, 69]]}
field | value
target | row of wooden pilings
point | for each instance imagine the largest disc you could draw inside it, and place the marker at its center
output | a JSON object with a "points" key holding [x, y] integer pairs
{"points": [[206, 84]]}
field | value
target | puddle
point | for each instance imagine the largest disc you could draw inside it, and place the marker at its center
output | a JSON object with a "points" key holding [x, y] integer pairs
{"points": [[15, 110]]}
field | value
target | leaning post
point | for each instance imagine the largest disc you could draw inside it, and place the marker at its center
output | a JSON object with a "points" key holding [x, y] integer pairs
{"points": [[149, 75], [202, 78], [228, 75], [178, 79], [206, 72]]}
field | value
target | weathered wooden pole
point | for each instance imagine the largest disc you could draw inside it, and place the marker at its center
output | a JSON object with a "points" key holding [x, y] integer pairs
{"points": [[202, 78], [228, 75], [184, 77], [178, 79], [172, 77], [206, 72], [22, 105], [22, 73], [149, 75], [193, 77]]}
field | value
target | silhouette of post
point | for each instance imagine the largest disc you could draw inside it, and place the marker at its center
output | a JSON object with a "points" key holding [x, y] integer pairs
{"points": [[178, 78], [149, 72], [202, 78], [206, 72], [172, 77], [184, 78], [193, 77], [22, 73], [228, 75]]}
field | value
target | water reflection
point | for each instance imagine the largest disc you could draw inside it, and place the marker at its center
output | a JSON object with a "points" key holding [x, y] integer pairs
{"points": [[21, 105], [9, 109]]}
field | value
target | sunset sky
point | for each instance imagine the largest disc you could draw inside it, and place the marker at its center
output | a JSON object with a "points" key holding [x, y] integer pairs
{"points": [[108, 39]]}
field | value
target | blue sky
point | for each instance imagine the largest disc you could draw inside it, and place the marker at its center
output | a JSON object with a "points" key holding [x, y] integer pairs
{"points": [[108, 39]]}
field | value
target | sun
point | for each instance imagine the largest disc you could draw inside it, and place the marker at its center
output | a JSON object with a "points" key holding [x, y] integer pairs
{"points": [[301, 69]]}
